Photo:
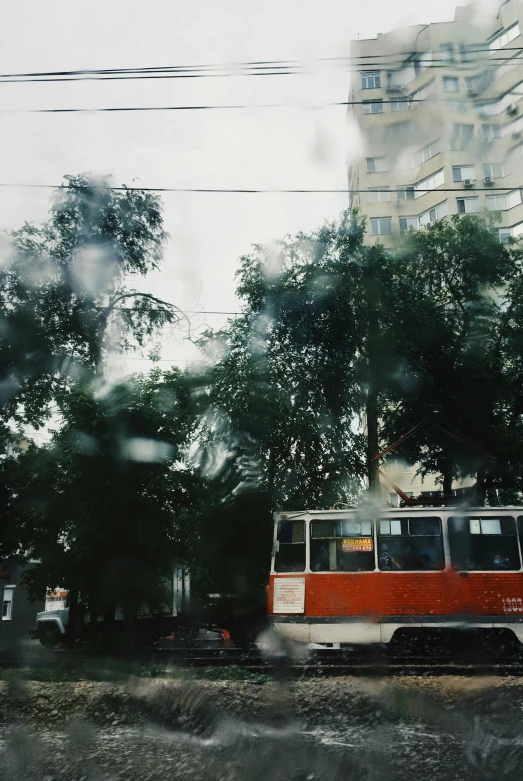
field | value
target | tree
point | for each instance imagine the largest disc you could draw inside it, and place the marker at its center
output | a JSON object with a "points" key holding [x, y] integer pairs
{"points": [[311, 355], [65, 295], [66, 303], [453, 286], [103, 508]]}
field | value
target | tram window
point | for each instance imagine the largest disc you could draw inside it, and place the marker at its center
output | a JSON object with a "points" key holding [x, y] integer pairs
{"points": [[342, 546], [410, 544], [290, 550], [483, 543]]}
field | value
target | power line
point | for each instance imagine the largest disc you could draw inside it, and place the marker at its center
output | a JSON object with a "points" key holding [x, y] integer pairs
{"points": [[244, 191], [268, 68], [262, 65], [194, 108], [210, 107]]}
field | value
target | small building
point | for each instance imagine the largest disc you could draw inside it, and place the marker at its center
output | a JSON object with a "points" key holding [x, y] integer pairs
{"points": [[18, 612]]}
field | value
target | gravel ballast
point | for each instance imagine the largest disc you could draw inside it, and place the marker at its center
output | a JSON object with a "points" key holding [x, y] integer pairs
{"points": [[221, 730]]}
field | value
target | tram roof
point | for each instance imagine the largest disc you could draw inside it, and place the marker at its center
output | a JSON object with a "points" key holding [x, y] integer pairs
{"points": [[419, 510]]}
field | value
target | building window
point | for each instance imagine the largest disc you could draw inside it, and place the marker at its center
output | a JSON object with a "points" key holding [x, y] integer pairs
{"points": [[494, 170], [370, 80], [426, 153], [431, 215], [378, 194], [462, 172], [373, 106], [380, 226], [490, 132], [481, 81], [451, 84], [446, 52], [503, 38], [421, 60], [399, 104], [504, 234], [430, 183], [499, 203], [467, 205], [408, 224], [462, 135], [496, 203], [472, 51], [7, 604], [406, 193], [376, 165]]}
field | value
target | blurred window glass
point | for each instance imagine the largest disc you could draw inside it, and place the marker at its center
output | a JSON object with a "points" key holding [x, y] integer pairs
{"points": [[410, 544], [290, 548], [342, 546], [481, 543]]}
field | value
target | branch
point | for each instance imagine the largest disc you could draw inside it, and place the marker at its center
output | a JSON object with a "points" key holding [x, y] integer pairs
{"points": [[149, 297]]}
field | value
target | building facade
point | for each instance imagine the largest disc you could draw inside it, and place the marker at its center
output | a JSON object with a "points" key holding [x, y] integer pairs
{"points": [[440, 113], [18, 611]]}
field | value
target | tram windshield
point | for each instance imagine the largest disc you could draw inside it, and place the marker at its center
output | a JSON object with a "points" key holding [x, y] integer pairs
{"points": [[410, 544], [290, 547], [342, 546], [478, 543]]}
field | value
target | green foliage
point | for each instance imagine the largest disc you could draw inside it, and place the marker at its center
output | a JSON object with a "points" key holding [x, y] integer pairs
{"points": [[456, 285], [286, 374], [103, 507], [65, 297]]}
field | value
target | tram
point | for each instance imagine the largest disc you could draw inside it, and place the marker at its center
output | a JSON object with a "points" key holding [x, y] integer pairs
{"points": [[358, 577]]}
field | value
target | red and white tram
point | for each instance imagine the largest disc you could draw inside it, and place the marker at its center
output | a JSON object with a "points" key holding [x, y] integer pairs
{"points": [[352, 576]]}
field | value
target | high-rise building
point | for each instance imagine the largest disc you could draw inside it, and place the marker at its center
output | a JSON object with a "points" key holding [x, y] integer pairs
{"points": [[440, 113]]}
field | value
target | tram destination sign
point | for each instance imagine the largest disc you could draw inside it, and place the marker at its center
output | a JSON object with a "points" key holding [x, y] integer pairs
{"points": [[289, 595], [357, 545]]}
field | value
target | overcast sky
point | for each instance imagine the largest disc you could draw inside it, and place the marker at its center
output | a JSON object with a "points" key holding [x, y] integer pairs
{"points": [[304, 146]]}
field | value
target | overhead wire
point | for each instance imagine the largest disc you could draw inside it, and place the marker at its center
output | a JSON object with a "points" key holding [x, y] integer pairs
{"points": [[237, 106], [254, 65], [267, 68], [245, 191]]}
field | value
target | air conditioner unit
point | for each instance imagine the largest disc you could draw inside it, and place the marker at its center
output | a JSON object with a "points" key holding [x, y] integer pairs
{"points": [[488, 181], [402, 233], [512, 109], [430, 225], [468, 183], [395, 88]]}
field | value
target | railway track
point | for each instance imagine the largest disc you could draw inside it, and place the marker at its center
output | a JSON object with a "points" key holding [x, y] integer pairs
{"points": [[334, 662], [324, 662]]}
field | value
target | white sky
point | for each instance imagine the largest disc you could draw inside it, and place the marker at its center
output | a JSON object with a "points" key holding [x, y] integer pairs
{"points": [[282, 148]]}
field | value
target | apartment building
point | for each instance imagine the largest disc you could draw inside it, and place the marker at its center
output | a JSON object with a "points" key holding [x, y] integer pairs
{"points": [[439, 107]]}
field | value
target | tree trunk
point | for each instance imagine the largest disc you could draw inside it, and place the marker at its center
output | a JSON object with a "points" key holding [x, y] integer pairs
{"points": [[72, 602], [447, 474], [371, 413], [481, 488]]}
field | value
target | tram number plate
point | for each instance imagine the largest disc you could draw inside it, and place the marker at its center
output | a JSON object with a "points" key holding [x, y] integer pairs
{"points": [[512, 605], [289, 595]]}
